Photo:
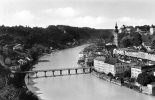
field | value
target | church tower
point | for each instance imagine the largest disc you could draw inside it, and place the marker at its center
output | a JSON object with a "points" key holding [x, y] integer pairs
{"points": [[115, 34]]}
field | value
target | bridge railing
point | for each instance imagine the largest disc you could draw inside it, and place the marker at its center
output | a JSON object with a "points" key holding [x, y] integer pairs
{"points": [[57, 72]]}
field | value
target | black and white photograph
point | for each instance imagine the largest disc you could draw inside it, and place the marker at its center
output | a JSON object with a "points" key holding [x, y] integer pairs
{"points": [[77, 49]]}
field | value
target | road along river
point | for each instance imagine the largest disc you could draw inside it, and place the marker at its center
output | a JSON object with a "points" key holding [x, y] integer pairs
{"points": [[77, 87]]}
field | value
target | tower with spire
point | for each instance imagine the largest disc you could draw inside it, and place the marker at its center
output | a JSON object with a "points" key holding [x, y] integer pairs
{"points": [[115, 34]]}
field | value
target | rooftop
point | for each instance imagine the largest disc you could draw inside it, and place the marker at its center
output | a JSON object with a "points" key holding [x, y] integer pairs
{"points": [[145, 67], [128, 49], [112, 60], [100, 58]]}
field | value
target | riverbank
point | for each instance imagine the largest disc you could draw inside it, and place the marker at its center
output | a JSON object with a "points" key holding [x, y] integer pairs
{"points": [[106, 78], [119, 83]]}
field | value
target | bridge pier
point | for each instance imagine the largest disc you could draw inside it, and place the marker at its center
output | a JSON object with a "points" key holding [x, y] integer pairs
{"points": [[69, 71], [36, 74], [45, 73], [90, 70], [53, 73], [84, 70], [61, 72], [76, 71]]}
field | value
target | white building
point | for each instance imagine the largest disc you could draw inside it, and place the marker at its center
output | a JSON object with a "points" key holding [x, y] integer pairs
{"points": [[83, 54], [101, 66], [134, 53], [152, 30], [136, 70], [15, 68], [126, 29], [151, 88], [89, 61], [18, 47]]}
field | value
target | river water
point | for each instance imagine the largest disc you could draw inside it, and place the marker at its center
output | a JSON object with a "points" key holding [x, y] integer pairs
{"points": [[77, 87]]}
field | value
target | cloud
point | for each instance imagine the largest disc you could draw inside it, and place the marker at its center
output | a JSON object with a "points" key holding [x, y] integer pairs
{"points": [[24, 16], [89, 21], [71, 16], [66, 16], [66, 12], [83, 21]]}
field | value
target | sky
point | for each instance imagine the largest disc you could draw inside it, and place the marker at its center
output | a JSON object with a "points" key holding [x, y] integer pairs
{"points": [[101, 14]]}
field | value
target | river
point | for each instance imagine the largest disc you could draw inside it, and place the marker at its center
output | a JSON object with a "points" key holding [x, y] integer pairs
{"points": [[77, 87]]}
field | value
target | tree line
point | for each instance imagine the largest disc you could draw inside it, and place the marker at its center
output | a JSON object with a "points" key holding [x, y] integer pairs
{"points": [[56, 36]]}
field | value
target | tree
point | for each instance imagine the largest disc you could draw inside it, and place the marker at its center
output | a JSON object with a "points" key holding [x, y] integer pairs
{"points": [[132, 80], [137, 38], [126, 41], [144, 79], [127, 73], [118, 75], [110, 74], [153, 44], [134, 39]]}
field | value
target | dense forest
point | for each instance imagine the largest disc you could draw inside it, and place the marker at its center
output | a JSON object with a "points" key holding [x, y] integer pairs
{"points": [[55, 36]]}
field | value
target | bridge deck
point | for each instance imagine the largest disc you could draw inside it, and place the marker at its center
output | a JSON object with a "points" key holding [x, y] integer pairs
{"points": [[34, 71], [33, 77], [85, 70]]}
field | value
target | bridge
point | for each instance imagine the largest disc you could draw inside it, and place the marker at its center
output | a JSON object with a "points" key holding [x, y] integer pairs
{"points": [[57, 72]]}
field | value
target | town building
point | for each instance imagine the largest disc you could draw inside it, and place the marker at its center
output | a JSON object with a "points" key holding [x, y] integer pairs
{"points": [[83, 54], [22, 61], [100, 65], [122, 29], [15, 68], [152, 29], [137, 69], [151, 88], [147, 45], [134, 53], [126, 29], [89, 60], [18, 47]]}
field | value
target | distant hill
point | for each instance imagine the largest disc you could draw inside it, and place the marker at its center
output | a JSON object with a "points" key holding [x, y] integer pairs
{"points": [[55, 36]]}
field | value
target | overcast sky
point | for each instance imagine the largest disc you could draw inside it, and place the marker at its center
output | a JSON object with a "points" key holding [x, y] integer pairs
{"points": [[83, 13]]}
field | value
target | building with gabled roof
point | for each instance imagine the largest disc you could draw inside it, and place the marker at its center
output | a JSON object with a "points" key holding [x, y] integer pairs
{"points": [[101, 65]]}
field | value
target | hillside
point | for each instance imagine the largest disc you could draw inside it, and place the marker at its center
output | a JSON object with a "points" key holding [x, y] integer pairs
{"points": [[56, 36]]}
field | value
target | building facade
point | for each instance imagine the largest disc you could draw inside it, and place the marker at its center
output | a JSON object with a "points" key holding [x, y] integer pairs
{"points": [[134, 53], [151, 88], [101, 66], [152, 29], [136, 70]]}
